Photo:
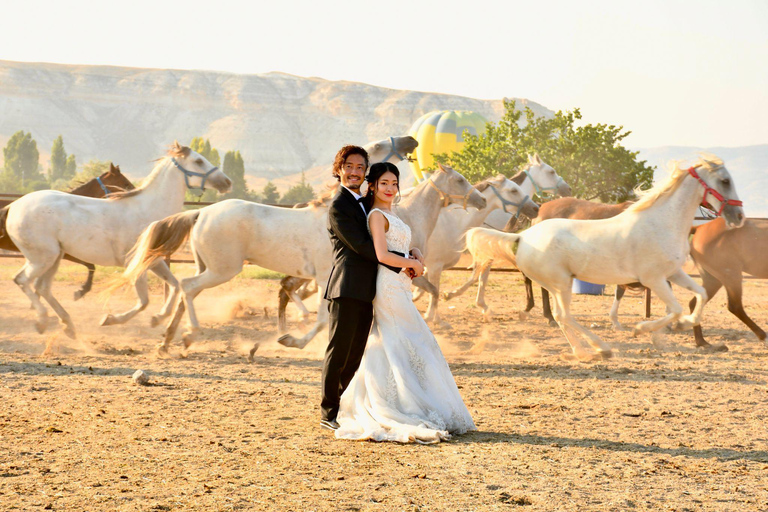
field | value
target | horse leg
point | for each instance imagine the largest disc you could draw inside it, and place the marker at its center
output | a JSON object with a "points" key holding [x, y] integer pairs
{"points": [[733, 287], [529, 300], [289, 340], [161, 270], [663, 291], [432, 315], [712, 285], [572, 329], [173, 325], [79, 294], [683, 280], [463, 288], [43, 288], [191, 288], [546, 307], [142, 293], [28, 274], [614, 314], [481, 284]]}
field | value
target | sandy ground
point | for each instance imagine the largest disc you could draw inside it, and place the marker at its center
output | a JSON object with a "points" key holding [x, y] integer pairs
{"points": [[664, 427]]}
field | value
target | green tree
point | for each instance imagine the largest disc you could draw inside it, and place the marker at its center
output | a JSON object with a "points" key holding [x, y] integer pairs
{"points": [[58, 167], [71, 166], [270, 195], [590, 158], [300, 193], [234, 167], [204, 148], [21, 168]]}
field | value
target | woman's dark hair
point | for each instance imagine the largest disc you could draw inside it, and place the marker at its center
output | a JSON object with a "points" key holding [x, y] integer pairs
{"points": [[377, 170]]}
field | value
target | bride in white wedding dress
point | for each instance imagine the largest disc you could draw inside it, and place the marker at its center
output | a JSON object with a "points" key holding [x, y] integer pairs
{"points": [[403, 390]]}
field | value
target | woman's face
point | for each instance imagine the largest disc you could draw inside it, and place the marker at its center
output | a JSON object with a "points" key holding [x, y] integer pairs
{"points": [[386, 187]]}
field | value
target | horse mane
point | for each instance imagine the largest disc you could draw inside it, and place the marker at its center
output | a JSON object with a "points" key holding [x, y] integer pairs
{"points": [[496, 180], [519, 178], [649, 197], [175, 150]]}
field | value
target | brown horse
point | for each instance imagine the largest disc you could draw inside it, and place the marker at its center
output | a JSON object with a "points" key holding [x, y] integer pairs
{"points": [[101, 186], [572, 208], [721, 256]]}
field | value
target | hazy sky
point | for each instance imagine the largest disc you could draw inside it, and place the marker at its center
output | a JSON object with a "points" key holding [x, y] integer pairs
{"points": [[673, 72]]}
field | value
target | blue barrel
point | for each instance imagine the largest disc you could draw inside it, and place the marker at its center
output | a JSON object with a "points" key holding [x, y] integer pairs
{"points": [[585, 288]]}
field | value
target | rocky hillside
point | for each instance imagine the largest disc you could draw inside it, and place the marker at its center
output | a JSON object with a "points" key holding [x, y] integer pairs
{"points": [[282, 124]]}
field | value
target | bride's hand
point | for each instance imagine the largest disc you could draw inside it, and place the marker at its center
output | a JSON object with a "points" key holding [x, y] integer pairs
{"points": [[418, 268]]}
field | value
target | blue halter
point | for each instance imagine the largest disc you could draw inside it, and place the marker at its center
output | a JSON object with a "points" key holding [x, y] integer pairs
{"points": [[187, 175], [392, 151], [103, 187], [539, 189], [507, 202]]}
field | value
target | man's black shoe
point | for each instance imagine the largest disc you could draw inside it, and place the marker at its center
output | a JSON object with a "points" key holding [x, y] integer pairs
{"points": [[329, 424]]}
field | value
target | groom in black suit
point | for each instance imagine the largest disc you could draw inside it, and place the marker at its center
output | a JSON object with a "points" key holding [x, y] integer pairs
{"points": [[352, 283]]}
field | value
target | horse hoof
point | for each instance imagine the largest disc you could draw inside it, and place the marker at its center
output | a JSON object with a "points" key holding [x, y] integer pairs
{"points": [[40, 326], [253, 351], [287, 340], [569, 356], [552, 323], [70, 331], [187, 338], [162, 350], [155, 321], [619, 327], [79, 294], [605, 354], [523, 316], [108, 319], [712, 349]]}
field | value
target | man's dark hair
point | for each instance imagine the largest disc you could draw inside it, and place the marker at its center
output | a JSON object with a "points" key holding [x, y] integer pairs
{"points": [[343, 154]]}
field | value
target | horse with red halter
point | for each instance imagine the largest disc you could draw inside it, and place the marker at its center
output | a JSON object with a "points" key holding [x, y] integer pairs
{"points": [[648, 242], [103, 185], [722, 256]]}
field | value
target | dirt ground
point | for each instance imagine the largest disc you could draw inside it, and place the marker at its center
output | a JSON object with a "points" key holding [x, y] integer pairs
{"points": [[658, 427]]}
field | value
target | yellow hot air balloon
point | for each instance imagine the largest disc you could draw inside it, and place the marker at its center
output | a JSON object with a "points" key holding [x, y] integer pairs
{"points": [[442, 132]]}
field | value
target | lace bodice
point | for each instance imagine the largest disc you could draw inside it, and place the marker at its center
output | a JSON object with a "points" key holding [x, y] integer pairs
{"points": [[399, 234]]}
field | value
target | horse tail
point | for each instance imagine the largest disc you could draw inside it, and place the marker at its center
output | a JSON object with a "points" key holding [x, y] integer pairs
{"points": [[486, 245], [161, 238]]}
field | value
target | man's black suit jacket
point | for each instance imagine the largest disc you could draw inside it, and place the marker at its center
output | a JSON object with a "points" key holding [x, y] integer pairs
{"points": [[354, 257]]}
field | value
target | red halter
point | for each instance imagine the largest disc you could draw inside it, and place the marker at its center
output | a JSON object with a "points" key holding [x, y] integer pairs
{"points": [[717, 195]]}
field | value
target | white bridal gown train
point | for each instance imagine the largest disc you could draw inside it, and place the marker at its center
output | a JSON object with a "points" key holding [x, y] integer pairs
{"points": [[403, 390]]}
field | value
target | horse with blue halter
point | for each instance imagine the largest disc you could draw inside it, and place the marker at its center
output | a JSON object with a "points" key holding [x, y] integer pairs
{"points": [[107, 183], [47, 224]]}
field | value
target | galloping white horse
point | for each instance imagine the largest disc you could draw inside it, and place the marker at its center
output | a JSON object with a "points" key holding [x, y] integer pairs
{"points": [[291, 241], [647, 243], [47, 224], [446, 243], [536, 178]]}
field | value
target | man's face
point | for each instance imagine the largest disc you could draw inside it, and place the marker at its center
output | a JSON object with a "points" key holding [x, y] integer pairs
{"points": [[353, 172]]}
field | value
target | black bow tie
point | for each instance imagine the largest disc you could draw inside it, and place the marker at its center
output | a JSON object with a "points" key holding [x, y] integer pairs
{"points": [[361, 200]]}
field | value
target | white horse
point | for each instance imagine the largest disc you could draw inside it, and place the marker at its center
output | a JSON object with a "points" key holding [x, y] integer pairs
{"points": [[46, 224], [536, 178], [290, 241], [647, 243], [446, 244]]}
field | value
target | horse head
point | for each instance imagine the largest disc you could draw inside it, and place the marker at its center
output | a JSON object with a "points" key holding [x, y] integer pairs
{"points": [[454, 188], [719, 190], [511, 195], [545, 178], [114, 179], [197, 170], [392, 149]]}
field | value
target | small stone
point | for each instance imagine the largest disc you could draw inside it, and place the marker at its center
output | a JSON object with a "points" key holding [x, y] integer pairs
{"points": [[140, 378]]}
